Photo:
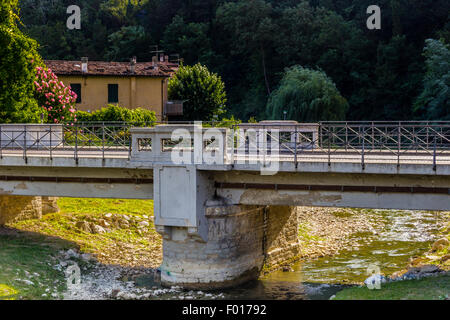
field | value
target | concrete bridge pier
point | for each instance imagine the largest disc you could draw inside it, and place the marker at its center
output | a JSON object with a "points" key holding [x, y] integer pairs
{"points": [[241, 241]]}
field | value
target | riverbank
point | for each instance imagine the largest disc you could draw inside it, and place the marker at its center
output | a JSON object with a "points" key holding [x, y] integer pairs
{"points": [[115, 244], [430, 288], [112, 241], [114, 231], [327, 231], [425, 277]]}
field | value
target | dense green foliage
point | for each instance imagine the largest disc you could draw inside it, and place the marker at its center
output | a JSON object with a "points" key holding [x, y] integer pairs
{"points": [[250, 42], [434, 101], [18, 59], [306, 95], [203, 92], [114, 113]]}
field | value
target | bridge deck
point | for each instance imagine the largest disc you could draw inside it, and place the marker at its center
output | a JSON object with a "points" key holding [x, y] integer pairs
{"points": [[408, 157]]}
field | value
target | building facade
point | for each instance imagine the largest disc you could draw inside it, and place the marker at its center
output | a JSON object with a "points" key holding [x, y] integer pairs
{"points": [[127, 84]]}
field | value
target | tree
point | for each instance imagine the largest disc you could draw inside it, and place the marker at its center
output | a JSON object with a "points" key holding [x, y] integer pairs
{"points": [[203, 92], [306, 95], [128, 42], [180, 37], [434, 101], [19, 59]]}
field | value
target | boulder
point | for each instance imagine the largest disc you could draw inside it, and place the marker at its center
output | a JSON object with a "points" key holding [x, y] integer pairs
{"points": [[103, 223], [144, 224], [84, 226], [49, 205], [440, 244], [430, 268], [97, 229]]}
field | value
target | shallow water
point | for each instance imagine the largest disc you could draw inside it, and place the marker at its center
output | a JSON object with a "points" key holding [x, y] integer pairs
{"points": [[404, 234]]}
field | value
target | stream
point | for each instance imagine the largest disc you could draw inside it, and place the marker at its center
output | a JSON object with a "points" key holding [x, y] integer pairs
{"points": [[405, 234], [398, 236]]}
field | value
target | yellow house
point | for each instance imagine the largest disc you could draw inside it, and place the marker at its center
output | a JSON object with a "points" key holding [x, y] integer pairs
{"points": [[127, 84]]}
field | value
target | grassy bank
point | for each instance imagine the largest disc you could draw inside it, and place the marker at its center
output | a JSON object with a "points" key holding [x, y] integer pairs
{"points": [[129, 239], [30, 249], [433, 288], [26, 264]]}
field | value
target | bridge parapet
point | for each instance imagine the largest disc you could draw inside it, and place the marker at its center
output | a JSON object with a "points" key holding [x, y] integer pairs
{"points": [[182, 144]]}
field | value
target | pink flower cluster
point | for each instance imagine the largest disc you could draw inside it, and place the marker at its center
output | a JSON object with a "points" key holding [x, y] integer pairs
{"points": [[54, 97]]}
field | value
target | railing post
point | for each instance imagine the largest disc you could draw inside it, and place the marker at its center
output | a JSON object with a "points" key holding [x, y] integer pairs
{"points": [[363, 165], [434, 154], [373, 136], [130, 143], [76, 143], [346, 136], [103, 141], [296, 142], [399, 137], [51, 140], [329, 147], [25, 144]]}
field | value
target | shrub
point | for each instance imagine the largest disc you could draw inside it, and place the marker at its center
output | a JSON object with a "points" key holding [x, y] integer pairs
{"points": [[57, 100], [114, 113]]}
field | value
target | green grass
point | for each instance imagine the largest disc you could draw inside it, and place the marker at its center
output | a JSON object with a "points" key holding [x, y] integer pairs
{"points": [[29, 249], [432, 288], [122, 245], [101, 206], [30, 257]]}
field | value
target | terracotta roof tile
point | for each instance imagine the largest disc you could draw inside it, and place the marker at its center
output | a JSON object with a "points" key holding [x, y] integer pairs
{"points": [[103, 68]]}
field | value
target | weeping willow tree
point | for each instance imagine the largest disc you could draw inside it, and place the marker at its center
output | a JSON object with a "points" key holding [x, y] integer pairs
{"points": [[306, 95]]}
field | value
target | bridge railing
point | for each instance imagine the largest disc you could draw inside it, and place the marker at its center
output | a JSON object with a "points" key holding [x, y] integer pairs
{"points": [[362, 142], [398, 142], [106, 139]]}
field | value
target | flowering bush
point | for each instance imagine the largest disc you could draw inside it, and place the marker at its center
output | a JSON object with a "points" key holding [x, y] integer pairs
{"points": [[56, 100]]}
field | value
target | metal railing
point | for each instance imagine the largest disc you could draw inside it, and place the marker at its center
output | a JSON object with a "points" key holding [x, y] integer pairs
{"points": [[361, 142]]}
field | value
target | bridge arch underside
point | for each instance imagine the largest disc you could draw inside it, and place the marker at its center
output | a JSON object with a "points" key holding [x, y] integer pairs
{"points": [[354, 190], [76, 182]]}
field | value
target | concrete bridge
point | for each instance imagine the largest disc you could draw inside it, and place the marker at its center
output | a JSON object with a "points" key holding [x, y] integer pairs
{"points": [[225, 198]]}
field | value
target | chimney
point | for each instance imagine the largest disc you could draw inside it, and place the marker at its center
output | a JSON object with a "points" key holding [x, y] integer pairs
{"points": [[84, 64], [155, 62], [133, 65]]}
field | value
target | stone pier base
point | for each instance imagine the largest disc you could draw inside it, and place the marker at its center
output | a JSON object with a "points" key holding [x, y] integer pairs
{"points": [[241, 239], [15, 208]]}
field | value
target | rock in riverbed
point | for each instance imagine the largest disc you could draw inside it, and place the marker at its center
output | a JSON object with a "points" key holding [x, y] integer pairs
{"points": [[440, 244]]}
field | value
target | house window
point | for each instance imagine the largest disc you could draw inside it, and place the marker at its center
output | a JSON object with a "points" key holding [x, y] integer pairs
{"points": [[76, 87], [113, 93]]}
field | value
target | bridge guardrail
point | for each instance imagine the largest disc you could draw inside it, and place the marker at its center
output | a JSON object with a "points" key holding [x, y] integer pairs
{"points": [[399, 142]]}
